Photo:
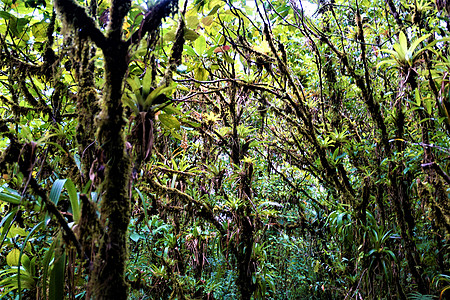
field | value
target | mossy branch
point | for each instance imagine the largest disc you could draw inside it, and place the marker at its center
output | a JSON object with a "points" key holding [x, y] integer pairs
{"points": [[76, 16], [438, 169], [119, 10], [152, 19], [203, 209], [177, 51], [25, 166]]}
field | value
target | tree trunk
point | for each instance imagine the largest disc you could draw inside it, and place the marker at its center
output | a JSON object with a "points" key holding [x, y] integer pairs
{"points": [[107, 281], [246, 266]]}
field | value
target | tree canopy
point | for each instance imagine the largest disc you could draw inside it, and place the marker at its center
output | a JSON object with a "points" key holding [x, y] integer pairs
{"points": [[214, 149]]}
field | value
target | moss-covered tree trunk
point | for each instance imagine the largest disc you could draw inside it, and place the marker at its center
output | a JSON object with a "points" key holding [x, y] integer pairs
{"points": [[246, 265], [87, 106], [107, 281]]}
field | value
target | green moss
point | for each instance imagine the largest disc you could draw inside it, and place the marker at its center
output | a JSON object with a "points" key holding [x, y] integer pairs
{"points": [[115, 204], [87, 106]]}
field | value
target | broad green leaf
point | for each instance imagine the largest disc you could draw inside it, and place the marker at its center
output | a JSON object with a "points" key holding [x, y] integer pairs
{"points": [[56, 145], [403, 43], [55, 194], [39, 31], [193, 124], [127, 101], [46, 264], [10, 198], [147, 82], [12, 282], [16, 231], [18, 26], [56, 287], [74, 202], [171, 110], [134, 84], [200, 45], [229, 59], [213, 3], [170, 35], [417, 53], [23, 258], [5, 15], [190, 34], [144, 204], [192, 21], [428, 106], [5, 224], [135, 236], [417, 97], [215, 9], [190, 51], [391, 52], [386, 62], [201, 74], [139, 98], [12, 259], [46, 137], [169, 121], [417, 42], [156, 92]]}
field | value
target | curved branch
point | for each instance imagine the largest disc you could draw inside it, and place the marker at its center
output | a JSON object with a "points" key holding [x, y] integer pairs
{"points": [[25, 167], [177, 50], [203, 209], [438, 169]]}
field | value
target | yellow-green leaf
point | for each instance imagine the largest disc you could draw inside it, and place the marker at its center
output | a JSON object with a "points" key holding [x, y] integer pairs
{"points": [[39, 31], [262, 47], [12, 259], [170, 36], [316, 266], [155, 93], [417, 96], [14, 231], [190, 35], [171, 110], [200, 45], [192, 21], [169, 121], [201, 74], [133, 83], [147, 83], [403, 42], [127, 101]]}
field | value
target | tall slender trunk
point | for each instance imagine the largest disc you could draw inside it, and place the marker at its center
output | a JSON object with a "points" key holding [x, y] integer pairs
{"points": [[108, 280]]}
